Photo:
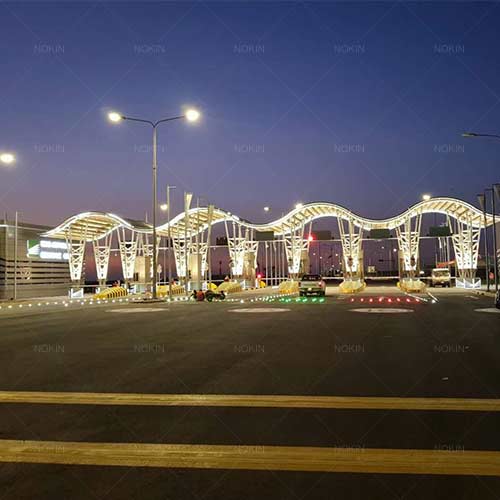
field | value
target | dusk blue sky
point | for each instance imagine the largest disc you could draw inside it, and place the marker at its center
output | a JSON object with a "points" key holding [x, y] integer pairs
{"points": [[361, 104]]}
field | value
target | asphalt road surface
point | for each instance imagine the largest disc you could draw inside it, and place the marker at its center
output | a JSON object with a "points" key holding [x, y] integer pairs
{"points": [[379, 396]]}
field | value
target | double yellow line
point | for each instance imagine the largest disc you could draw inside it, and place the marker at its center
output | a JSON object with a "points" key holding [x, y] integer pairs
{"points": [[280, 458]]}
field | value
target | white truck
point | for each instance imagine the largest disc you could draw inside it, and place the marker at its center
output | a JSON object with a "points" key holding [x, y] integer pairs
{"points": [[311, 284], [440, 277]]}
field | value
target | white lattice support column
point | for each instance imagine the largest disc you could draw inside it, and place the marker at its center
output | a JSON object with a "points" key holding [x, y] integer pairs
{"points": [[179, 247], [408, 236], [250, 261], [465, 238], [146, 249], [237, 248], [197, 258], [351, 238], [251, 250], [101, 255], [199, 251], [204, 257], [76, 254], [295, 248], [128, 253]]}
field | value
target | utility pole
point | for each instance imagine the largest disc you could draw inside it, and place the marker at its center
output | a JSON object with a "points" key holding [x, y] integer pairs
{"points": [[481, 198], [169, 244], [495, 256], [209, 238], [15, 254], [198, 253], [265, 249], [187, 203]]}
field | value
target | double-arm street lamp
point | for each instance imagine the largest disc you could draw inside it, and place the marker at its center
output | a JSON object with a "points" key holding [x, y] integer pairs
{"points": [[191, 115]]}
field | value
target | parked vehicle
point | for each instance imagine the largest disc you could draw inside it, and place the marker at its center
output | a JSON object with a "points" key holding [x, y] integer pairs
{"points": [[312, 284], [441, 277]]}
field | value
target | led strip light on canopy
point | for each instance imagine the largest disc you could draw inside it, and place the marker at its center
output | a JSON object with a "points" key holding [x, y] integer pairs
{"points": [[96, 225]]}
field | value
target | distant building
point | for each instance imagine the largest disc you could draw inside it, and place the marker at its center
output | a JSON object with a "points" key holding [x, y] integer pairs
{"points": [[41, 268]]}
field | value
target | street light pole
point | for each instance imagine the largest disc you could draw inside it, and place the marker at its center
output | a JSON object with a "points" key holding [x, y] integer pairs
{"points": [[15, 253], [495, 256], [198, 254], [495, 193], [481, 198], [191, 115], [169, 245], [155, 203]]}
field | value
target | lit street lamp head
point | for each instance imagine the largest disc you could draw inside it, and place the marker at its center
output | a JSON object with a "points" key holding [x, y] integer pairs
{"points": [[192, 115], [163, 207], [469, 134], [266, 209], [7, 158], [115, 117]]}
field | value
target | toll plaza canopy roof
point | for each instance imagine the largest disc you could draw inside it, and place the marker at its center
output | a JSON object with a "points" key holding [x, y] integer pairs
{"points": [[91, 226]]}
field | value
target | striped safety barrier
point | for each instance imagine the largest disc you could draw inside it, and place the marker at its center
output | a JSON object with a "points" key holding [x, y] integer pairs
{"points": [[288, 287], [229, 287], [162, 290], [111, 293]]}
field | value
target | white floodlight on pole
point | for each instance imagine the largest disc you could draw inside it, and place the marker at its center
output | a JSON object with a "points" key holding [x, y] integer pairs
{"points": [[7, 158]]}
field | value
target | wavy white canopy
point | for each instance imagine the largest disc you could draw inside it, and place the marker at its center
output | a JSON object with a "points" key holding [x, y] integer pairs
{"points": [[91, 226]]}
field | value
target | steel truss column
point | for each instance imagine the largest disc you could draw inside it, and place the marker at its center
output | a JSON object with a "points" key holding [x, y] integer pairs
{"points": [[351, 238], [101, 256], [237, 244], [250, 258], [146, 248], [408, 235], [128, 253], [180, 255], [186, 251], [295, 247], [76, 254], [251, 253], [465, 238], [200, 248]]}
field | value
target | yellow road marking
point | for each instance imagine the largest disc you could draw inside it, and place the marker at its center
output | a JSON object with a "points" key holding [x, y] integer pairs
{"points": [[283, 458], [247, 400]]}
